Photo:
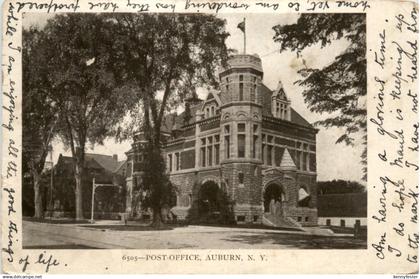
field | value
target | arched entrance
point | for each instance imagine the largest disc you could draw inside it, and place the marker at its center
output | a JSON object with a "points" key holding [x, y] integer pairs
{"points": [[209, 200], [274, 198]]}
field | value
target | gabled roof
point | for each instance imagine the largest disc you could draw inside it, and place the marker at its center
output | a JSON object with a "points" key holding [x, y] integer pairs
{"points": [[174, 120], [120, 165], [295, 117], [279, 92], [298, 119], [212, 96], [94, 161], [105, 161]]}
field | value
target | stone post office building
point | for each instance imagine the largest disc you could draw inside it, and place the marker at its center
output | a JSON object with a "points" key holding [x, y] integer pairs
{"points": [[243, 148]]}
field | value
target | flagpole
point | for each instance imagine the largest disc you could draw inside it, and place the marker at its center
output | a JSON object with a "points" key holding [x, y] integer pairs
{"points": [[244, 35]]}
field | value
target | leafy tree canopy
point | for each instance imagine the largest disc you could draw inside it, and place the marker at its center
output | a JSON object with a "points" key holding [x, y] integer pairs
{"points": [[165, 57], [40, 114], [338, 89]]}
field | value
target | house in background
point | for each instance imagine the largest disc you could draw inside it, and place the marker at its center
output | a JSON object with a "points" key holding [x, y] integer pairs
{"points": [[342, 210], [106, 169]]}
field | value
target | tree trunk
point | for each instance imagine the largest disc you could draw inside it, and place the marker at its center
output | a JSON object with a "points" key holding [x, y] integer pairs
{"points": [[39, 212], [78, 192], [157, 217]]}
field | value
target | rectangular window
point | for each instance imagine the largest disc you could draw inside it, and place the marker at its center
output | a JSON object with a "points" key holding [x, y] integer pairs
{"points": [[210, 155], [227, 141], [241, 88], [241, 146], [203, 156], [227, 129], [342, 223], [263, 157], [216, 154], [240, 218], [254, 146], [269, 155], [312, 162], [227, 147], [177, 161], [304, 161], [278, 154], [298, 154], [170, 162], [241, 128], [241, 178]]}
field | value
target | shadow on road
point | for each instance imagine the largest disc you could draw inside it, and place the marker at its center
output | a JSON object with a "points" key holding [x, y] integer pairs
{"points": [[301, 241], [55, 221], [129, 228], [63, 246]]}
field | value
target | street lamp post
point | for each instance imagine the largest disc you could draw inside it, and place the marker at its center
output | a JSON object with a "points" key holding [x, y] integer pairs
{"points": [[93, 200], [94, 186]]}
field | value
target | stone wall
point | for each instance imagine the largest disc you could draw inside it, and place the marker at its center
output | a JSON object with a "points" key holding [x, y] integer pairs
{"points": [[243, 185]]}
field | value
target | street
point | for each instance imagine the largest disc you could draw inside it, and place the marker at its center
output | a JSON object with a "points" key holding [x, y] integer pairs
{"points": [[116, 236]]}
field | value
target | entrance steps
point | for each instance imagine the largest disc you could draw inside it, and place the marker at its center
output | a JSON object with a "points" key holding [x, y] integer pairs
{"points": [[280, 222]]}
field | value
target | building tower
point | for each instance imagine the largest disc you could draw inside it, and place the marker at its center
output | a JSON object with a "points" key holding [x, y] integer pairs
{"points": [[240, 133]]}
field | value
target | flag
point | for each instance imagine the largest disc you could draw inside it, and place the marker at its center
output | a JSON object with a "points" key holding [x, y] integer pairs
{"points": [[241, 25]]}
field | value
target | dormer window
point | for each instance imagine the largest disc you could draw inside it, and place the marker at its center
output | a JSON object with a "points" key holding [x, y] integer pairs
{"points": [[280, 105]]}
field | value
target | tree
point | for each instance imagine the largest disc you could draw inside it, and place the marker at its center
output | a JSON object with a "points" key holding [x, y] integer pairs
{"points": [[165, 55], [39, 112], [339, 187], [83, 85], [338, 89]]}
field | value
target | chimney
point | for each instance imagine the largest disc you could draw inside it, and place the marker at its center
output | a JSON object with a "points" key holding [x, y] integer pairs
{"points": [[115, 157]]}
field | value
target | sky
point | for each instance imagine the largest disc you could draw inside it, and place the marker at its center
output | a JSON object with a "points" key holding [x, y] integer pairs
{"points": [[334, 161]]}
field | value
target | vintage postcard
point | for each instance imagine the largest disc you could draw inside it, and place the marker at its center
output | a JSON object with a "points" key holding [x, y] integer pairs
{"points": [[219, 137]]}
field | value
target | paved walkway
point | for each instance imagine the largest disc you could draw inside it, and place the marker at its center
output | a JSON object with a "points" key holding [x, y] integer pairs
{"points": [[111, 235]]}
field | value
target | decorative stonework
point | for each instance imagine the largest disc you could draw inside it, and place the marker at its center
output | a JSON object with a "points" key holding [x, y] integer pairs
{"points": [[241, 174]]}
